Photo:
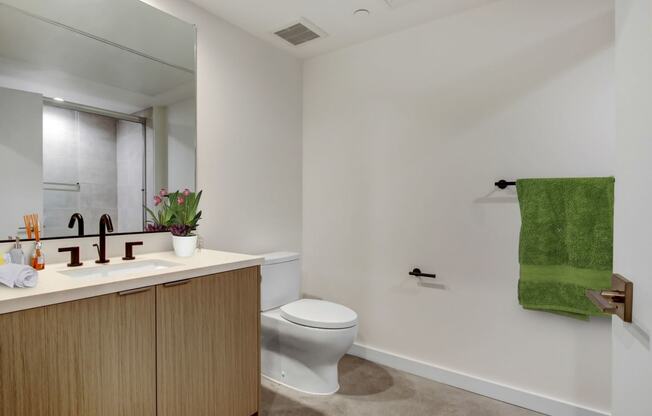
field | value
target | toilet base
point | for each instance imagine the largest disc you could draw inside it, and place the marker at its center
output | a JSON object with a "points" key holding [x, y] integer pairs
{"points": [[300, 357]]}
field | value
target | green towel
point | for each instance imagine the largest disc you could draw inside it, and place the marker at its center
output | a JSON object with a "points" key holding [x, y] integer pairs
{"points": [[566, 243]]}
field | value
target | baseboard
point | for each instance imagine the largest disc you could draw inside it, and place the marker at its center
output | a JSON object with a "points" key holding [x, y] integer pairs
{"points": [[488, 388]]}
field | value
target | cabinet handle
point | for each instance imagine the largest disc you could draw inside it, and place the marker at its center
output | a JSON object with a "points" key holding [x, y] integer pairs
{"points": [[177, 283], [133, 291]]}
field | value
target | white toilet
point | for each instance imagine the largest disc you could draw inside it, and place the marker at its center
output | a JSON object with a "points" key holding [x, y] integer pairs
{"points": [[302, 339]]}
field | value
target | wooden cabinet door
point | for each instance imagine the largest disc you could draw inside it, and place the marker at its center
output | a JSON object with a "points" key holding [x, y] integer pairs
{"points": [[208, 345], [23, 364], [94, 356]]}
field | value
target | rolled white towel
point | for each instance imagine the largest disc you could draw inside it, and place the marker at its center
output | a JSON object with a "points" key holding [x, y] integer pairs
{"points": [[18, 275]]}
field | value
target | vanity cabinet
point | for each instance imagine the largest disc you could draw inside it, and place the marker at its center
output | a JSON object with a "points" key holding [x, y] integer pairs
{"points": [[94, 356], [189, 347]]}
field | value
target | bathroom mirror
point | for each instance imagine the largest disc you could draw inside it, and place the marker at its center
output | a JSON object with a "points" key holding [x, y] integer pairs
{"points": [[97, 112]]}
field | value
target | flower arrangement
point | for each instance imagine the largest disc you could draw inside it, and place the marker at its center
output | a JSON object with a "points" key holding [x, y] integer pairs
{"points": [[177, 212]]}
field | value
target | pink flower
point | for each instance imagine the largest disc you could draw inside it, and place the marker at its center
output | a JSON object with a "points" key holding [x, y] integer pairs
{"points": [[186, 192], [180, 200], [157, 200], [163, 192]]}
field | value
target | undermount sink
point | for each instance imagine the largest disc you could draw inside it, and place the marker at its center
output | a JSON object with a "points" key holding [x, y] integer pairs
{"points": [[122, 269]]}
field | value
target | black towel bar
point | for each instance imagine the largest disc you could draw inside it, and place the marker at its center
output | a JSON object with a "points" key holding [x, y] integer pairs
{"points": [[418, 273], [502, 184]]}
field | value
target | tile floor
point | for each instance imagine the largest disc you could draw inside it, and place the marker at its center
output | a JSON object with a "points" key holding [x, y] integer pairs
{"points": [[368, 389]]}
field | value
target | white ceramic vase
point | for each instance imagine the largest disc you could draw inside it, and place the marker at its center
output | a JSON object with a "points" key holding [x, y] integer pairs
{"points": [[184, 246]]}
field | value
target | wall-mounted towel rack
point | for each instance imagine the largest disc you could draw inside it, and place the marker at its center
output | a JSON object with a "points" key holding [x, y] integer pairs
{"points": [[618, 300], [502, 184]]}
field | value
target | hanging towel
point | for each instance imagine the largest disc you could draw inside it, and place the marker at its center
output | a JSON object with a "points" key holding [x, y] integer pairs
{"points": [[18, 275], [566, 243]]}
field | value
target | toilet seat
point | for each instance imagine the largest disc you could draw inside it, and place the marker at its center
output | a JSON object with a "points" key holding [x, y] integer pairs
{"points": [[319, 314]]}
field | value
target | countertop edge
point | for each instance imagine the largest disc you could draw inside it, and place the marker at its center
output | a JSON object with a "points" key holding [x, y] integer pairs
{"points": [[73, 294]]}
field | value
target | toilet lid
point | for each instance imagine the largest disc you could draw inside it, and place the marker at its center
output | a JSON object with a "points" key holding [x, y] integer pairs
{"points": [[319, 314]]}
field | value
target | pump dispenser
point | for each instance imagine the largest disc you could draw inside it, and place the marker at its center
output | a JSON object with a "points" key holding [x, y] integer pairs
{"points": [[16, 254]]}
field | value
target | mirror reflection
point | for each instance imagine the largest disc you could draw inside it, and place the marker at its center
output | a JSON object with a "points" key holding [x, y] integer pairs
{"points": [[97, 112]]}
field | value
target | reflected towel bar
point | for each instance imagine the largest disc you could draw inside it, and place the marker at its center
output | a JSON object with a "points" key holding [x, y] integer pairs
{"points": [[60, 186]]}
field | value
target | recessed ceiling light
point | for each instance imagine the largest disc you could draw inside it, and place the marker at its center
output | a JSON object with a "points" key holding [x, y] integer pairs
{"points": [[362, 12], [59, 99]]}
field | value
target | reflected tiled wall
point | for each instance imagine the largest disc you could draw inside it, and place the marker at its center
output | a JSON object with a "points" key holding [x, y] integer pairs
{"points": [[79, 147]]}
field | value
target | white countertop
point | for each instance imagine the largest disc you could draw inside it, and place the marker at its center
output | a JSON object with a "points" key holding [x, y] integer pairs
{"points": [[54, 287]]}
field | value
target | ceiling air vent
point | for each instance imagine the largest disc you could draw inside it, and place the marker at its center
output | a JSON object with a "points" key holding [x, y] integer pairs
{"points": [[299, 33]]}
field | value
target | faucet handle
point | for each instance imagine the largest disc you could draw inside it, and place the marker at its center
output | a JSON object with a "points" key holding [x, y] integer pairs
{"points": [[102, 258], [129, 249], [74, 255]]}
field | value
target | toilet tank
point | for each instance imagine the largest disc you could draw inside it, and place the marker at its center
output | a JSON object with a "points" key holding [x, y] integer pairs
{"points": [[281, 280]]}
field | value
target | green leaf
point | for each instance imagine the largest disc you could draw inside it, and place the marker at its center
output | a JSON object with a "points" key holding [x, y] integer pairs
{"points": [[181, 214]]}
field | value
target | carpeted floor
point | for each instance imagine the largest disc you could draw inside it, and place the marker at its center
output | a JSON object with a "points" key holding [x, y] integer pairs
{"points": [[368, 389]]}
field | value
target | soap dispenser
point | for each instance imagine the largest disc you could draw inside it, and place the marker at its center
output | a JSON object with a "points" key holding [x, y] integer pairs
{"points": [[16, 254]]}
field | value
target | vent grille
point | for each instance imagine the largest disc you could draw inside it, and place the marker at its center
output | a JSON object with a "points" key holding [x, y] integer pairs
{"points": [[297, 34]]}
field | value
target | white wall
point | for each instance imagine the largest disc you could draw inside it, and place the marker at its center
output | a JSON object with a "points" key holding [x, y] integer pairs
{"points": [[130, 156], [403, 138], [248, 136], [21, 152], [632, 356], [182, 133], [159, 148]]}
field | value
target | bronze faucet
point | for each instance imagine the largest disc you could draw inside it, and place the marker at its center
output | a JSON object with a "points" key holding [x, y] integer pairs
{"points": [[105, 225], [80, 223]]}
